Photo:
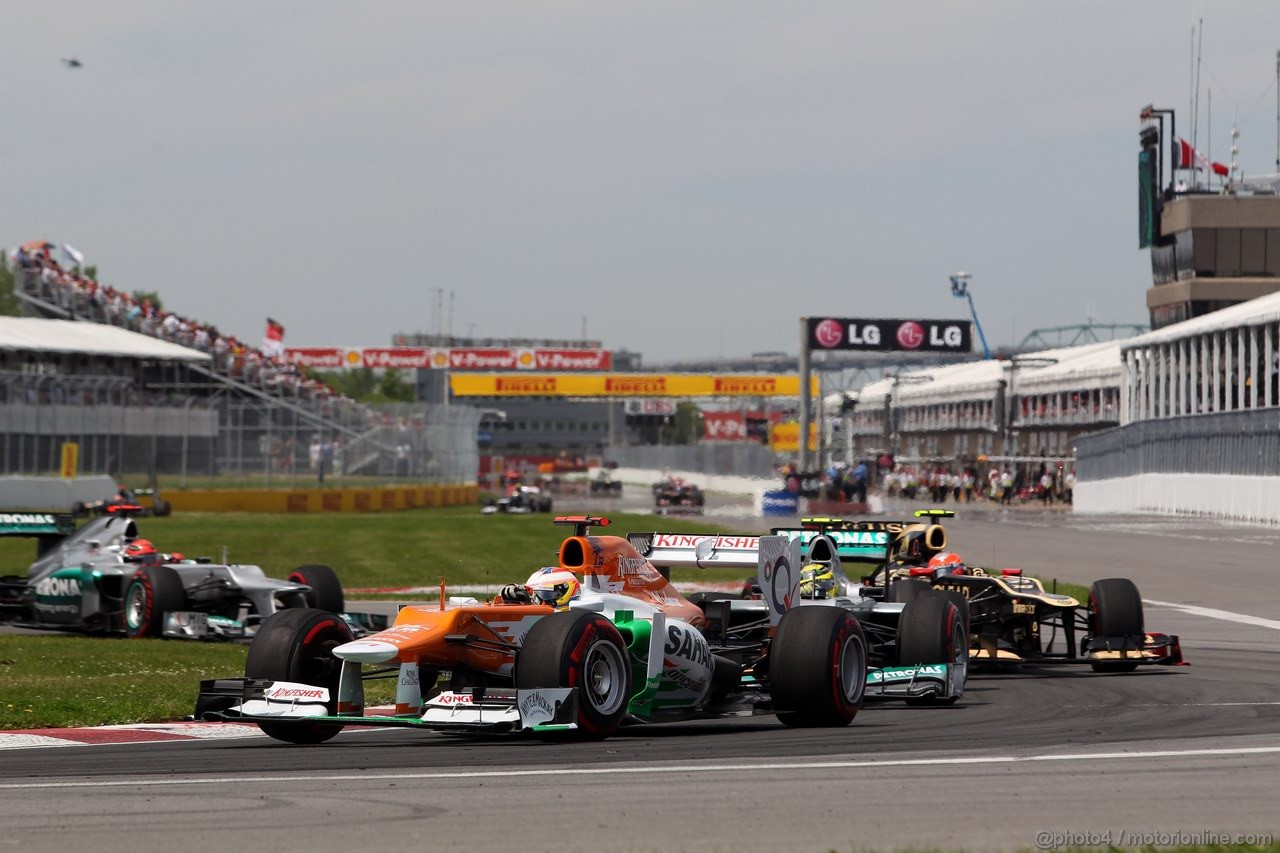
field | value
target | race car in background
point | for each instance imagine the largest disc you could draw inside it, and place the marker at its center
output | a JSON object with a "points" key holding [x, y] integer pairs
{"points": [[916, 651], [599, 638], [135, 503], [676, 495], [104, 578], [1012, 618], [519, 500]]}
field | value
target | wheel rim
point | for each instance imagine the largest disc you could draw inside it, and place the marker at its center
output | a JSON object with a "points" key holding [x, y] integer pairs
{"points": [[851, 666], [136, 607], [604, 681]]}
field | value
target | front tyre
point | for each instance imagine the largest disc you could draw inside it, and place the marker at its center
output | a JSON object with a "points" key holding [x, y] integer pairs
{"points": [[1115, 610], [326, 589], [152, 592], [932, 630], [297, 645], [818, 667], [582, 650]]}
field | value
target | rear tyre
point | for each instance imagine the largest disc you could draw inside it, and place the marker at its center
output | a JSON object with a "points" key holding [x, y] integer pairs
{"points": [[931, 630], [582, 650], [818, 667], [1115, 610], [326, 589], [297, 645], [161, 508], [152, 592]]}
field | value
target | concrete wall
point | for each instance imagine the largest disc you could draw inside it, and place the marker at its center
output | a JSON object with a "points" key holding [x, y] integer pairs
{"points": [[51, 493], [1230, 496]]}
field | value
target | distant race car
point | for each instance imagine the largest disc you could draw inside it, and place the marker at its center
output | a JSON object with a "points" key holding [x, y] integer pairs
{"points": [[917, 651], [1012, 618], [674, 495], [127, 501], [104, 578], [519, 500], [605, 485], [600, 638]]}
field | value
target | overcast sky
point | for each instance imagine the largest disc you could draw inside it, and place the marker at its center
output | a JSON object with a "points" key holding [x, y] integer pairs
{"points": [[690, 177]]}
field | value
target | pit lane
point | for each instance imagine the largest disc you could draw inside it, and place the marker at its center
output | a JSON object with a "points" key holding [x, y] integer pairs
{"points": [[1166, 748]]}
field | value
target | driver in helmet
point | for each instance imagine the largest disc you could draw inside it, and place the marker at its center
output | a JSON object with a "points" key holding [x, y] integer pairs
{"points": [[817, 581], [554, 586], [141, 551], [946, 563]]}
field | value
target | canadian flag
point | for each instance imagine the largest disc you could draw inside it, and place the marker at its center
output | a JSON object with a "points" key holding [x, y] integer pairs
{"points": [[273, 340], [1187, 157]]}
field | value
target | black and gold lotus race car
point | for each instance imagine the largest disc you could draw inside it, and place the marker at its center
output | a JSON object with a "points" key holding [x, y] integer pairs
{"points": [[1012, 617]]}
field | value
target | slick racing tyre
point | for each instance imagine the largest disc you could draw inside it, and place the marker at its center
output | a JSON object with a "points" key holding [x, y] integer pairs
{"points": [[152, 592], [1115, 610], [582, 650], [904, 590], [297, 645], [326, 589], [932, 630], [161, 508], [818, 667]]}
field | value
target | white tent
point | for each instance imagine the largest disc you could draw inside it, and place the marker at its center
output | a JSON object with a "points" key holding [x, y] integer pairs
{"points": [[68, 336]]}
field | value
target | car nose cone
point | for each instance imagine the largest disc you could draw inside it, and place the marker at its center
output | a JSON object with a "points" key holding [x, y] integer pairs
{"points": [[367, 651]]}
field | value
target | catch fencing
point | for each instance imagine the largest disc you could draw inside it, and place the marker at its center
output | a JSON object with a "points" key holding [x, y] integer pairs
{"points": [[1241, 443]]}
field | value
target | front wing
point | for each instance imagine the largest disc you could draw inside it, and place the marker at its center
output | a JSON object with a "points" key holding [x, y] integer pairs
{"points": [[935, 681], [494, 710]]}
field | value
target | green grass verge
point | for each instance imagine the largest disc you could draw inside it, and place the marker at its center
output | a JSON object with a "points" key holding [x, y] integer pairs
{"points": [[92, 681]]}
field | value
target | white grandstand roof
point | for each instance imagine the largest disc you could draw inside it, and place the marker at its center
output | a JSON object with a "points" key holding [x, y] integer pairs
{"points": [[68, 336], [1264, 309], [1066, 369]]}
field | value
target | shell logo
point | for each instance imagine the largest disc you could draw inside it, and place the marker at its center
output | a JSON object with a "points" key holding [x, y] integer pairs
{"points": [[524, 358], [353, 358], [440, 358]]}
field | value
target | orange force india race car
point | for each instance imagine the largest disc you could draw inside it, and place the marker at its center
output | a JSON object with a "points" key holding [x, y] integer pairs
{"points": [[600, 638]]}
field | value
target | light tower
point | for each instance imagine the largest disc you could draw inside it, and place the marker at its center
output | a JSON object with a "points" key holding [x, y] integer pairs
{"points": [[960, 290]]}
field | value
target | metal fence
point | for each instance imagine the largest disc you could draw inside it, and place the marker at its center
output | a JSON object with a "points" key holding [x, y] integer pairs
{"points": [[1241, 443], [749, 460]]}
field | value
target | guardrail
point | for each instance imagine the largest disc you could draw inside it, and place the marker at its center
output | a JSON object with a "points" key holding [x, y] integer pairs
{"points": [[1243, 443]]}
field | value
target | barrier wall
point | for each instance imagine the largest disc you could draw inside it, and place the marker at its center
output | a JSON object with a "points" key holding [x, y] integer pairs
{"points": [[1230, 496], [51, 493], [322, 500]]}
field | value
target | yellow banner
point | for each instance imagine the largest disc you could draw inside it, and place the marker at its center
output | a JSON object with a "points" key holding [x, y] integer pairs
{"points": [[784, 437], [626, 385], [70, 459]]}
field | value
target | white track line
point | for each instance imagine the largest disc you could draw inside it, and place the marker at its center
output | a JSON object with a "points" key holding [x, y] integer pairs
{"points": [[1213, 613], [662, 768]]}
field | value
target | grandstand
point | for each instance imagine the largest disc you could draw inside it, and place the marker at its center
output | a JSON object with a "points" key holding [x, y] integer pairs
{"points": [[268, 418]]}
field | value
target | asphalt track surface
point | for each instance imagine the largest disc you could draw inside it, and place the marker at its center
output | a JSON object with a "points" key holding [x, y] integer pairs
{"points": [[1044, 757]]}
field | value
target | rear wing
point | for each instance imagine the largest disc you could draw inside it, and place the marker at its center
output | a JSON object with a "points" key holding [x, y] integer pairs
{"points": [[47, 528], [36, 524], [851, 543], [681, 550], [776, 559]]}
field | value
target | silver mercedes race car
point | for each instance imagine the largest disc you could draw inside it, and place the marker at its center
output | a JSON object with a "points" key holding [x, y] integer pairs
{"points": [[104, 578], [917, 651]]}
